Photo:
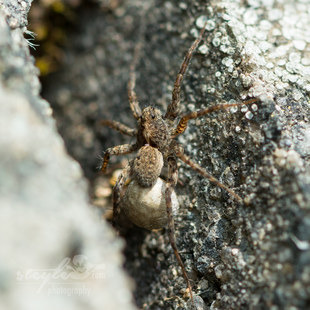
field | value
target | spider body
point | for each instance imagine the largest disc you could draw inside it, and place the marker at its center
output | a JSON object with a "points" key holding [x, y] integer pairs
{"points": [[157, 147]]}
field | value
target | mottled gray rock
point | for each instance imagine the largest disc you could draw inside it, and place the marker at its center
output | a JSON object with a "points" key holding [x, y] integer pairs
{"points": [[252, 256], [55, 250], [16, 12]]}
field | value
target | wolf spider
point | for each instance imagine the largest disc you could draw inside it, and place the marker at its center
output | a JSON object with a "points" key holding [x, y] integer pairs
{"points": [[156, 147]]}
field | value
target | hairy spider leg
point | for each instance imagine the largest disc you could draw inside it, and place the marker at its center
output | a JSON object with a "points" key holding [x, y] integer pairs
{"points": [[117, 150], [174, 107], [182, 125], [171, 183], [119, 127], [132, 96]]}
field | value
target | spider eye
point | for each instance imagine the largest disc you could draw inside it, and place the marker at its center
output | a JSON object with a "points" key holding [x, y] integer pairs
{"points": [[153, 116]]}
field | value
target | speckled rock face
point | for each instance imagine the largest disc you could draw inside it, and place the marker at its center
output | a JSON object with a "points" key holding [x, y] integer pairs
{"points": [[146, 206]]}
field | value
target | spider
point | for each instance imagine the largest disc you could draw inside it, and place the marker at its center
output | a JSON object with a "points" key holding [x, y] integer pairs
{"points": [[157, 147]]}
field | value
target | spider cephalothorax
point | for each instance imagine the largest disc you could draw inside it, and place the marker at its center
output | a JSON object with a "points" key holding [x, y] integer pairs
{"points": [[157, 147], [154, 129]]}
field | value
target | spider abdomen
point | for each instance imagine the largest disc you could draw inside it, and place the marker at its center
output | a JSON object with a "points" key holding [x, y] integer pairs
{"points": [[147, 166]]}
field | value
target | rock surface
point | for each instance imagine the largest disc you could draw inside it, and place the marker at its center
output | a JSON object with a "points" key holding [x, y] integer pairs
{"points": [[55, 250], [251, 256]]}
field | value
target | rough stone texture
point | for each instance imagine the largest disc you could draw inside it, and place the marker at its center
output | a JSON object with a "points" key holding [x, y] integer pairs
{"points": [[16, 12], [252, 256], [55, 250]]}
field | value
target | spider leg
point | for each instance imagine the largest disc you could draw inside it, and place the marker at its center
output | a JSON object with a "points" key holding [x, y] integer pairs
{"points": [[171, 183], [118, 192], [182, 125], [174, 106], [132, 97], [119, 127], [180, 153], [117, 150]]}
